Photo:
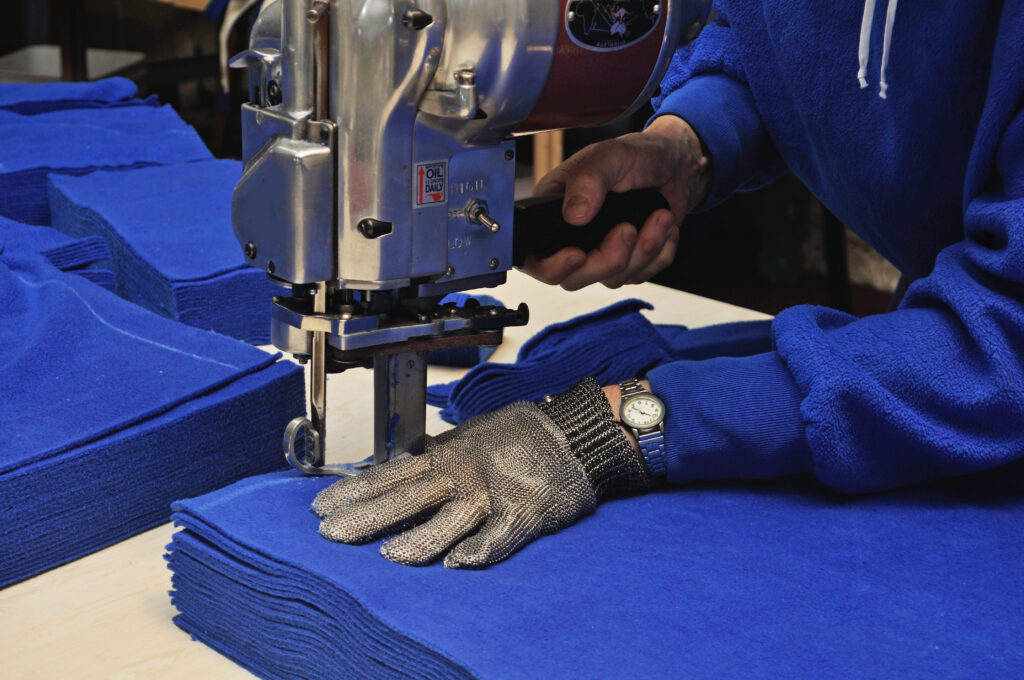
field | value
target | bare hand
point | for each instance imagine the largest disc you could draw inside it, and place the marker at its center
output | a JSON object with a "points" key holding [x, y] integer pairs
{"points": [[667, 156]]}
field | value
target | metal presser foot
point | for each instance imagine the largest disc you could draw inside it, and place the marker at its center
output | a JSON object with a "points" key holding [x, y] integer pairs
{"points": [[403, 339]]}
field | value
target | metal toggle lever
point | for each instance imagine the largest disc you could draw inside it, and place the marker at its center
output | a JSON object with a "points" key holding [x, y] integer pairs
{"points": [[476, 212]]}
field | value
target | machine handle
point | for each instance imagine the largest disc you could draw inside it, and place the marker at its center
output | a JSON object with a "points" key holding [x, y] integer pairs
{"points": [[539, 229]]}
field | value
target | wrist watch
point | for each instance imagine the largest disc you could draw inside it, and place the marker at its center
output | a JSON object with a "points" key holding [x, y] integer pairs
{"points": [[644, 415]]}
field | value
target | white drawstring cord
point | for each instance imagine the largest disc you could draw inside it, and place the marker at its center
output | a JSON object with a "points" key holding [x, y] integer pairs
{"points": [[865, 42], [890, 17]]}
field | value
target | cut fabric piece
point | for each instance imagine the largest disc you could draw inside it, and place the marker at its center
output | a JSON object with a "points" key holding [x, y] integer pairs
{"points": [[109, 412], [772, 580], [169, 228], [32, 98], [30, 152], [610, 344], [62, 251]]}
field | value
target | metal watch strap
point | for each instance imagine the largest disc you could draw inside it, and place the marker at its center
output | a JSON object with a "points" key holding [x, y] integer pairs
{"points": [[652, 444]]}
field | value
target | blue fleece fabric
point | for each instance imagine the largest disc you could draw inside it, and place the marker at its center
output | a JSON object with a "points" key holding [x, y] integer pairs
{"points": [[169, 228], [110, 412], [31, 151], [781, 580], [32, 98], [932, 176], [87, 257]]}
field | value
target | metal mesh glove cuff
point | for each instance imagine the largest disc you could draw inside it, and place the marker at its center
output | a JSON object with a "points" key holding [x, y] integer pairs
{"points": [[596, 439]]}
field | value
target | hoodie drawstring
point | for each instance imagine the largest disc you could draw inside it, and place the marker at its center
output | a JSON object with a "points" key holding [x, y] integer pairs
{"points": [[864, 50]]}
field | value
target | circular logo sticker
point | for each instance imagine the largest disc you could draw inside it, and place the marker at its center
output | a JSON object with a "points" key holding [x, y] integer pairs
{"points": [[606, 25]]}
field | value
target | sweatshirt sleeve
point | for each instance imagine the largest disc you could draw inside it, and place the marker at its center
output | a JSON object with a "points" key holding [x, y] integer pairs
{"points": [[932, 389], [705, 85]]}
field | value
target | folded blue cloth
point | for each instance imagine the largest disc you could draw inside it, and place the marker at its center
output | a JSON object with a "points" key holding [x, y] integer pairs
{"points": [[611, 344], [123, 118], [31, 98], [110, 412], [31, 151], [169, 228], [779, 580]]}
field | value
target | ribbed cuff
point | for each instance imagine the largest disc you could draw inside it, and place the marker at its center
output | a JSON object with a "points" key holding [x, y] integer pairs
{"points": [[731, 418], [596, 438]]}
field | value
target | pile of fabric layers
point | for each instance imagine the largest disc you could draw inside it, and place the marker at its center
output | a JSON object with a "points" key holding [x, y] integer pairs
{"points": [[169, 229], [770, 580], [88, 257], [77, 142], [110, 412]]}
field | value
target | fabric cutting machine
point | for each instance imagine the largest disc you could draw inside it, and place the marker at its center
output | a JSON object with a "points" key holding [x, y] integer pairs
{"points": [[379, 168]]}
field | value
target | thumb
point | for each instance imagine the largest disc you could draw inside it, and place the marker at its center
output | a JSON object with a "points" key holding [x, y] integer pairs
{"points": [[585, 178]]}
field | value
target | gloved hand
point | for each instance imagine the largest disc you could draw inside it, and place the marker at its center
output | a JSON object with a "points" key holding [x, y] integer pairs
{"points": [[522, 472]]}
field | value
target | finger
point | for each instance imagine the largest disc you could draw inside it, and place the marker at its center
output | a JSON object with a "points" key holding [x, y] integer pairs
{"points": [[586, 177], [665, 258], [500, 536], [373, 482], [609, 260], [375, 516], [650, 241], [554, 269], [428, 541], [554, 181]]}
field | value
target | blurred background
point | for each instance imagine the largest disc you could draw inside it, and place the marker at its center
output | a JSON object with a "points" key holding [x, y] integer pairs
{"points": [[765, 250]]}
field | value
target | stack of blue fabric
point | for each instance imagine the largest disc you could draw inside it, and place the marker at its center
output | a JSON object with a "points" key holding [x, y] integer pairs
{"points": [[88, 257], [33, 98], [110, 412], [169, 228], [610, 344], [778, 580], [31, 151]]}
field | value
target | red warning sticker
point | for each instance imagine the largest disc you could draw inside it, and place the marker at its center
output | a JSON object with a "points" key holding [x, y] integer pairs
{"points": [[431, 180]]}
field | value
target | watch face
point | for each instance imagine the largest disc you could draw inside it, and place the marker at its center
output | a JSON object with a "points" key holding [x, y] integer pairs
{"points": [[642, 411]]}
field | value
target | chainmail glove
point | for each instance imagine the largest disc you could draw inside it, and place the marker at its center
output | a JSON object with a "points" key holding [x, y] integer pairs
{"points": [[497, 482]]}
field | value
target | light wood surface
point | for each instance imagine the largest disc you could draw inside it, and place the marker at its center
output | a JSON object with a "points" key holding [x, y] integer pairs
{"points": [[548, 152], [108, 616], [197, 5]]}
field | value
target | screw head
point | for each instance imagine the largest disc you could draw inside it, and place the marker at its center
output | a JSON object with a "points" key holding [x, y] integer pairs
{"points": [[493, 264], [449, 271], [510, 154], [273, 93], [271, 267], [250, 250]]}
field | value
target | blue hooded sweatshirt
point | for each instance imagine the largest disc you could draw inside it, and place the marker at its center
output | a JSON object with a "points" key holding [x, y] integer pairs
{"points": [[906, 120]]}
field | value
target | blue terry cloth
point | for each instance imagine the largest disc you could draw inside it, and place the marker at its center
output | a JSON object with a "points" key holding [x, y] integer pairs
{"points": [[30, 152], [611, 344], [779, 580], [31, 98], [169, 229], [464, 356], [110, 412]]}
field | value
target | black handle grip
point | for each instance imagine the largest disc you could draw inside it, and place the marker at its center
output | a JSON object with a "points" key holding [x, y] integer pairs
{"points": [[541, 231]]}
